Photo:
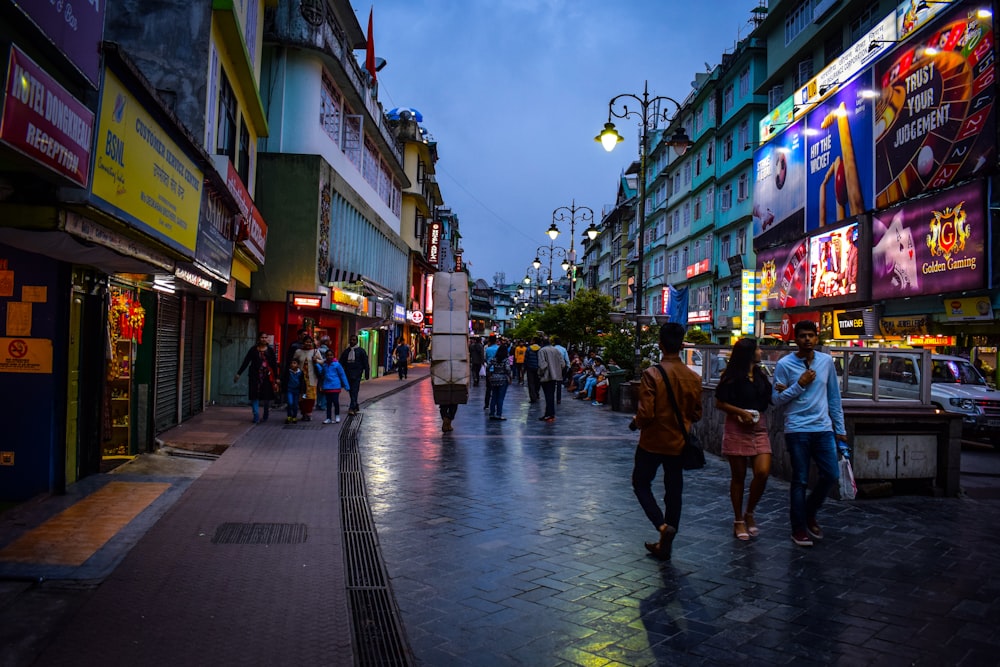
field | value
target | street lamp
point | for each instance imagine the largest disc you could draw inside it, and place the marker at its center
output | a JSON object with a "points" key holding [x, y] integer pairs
{"points": [[537, 276], [586, 214], [609, 138], [551, 251]]}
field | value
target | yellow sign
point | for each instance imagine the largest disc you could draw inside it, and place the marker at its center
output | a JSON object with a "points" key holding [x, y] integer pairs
{"points": [[25, 355], [967, 309], [142, 174]]}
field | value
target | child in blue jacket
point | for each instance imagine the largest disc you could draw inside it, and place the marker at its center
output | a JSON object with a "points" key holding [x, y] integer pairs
{"points": [[332, 379], [295, 388]]}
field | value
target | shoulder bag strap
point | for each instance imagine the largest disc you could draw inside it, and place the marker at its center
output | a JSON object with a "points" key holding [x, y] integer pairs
{"points": [[673, 400]]}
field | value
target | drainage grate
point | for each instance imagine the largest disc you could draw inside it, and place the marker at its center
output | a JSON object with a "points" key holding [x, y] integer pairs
{"points": [[378, 633], [260, 533], [378, 637]]}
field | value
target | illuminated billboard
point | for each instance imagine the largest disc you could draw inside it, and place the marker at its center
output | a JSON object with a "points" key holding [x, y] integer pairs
{"points": [[839, 182], [779, 188], [931, 246], [935, 120], [833, 266], [784, 279]]}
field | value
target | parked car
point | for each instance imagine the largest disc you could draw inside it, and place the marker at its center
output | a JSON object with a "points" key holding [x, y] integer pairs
{"points": [[956, 387]]}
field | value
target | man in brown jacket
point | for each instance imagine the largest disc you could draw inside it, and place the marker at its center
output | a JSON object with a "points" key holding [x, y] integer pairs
{"points": [[661, 439]]}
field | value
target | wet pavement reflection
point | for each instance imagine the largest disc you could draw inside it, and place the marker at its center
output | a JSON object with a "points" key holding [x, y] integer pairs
{"points": [[520, 543]]}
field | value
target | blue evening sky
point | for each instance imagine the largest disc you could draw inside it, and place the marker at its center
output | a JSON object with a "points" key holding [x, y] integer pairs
{"points": [[514, 91]]}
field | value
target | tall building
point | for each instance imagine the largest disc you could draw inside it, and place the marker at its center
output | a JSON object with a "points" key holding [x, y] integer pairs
{"points": [[873, 189]]}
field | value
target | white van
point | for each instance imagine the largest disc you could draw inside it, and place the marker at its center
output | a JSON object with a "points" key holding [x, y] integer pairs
{"points": [[956, 386]]}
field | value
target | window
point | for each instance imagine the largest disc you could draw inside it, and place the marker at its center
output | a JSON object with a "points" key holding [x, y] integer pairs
{"points": [[675, 222], [697, 164], [797, 19], [724, 246], [775, 96], [673, 266], [710, 199], [708, 153], [686, 215], [804, 72], [743, 138], [684, 257], [697, 250], [727, 99], [687, 172], [225, 136], [243, 158], [330, 110], [726, 202], [741, 241], [863, 22], [745, 82], [727, 147], [725, 299], [743, 187], [697, 208]]}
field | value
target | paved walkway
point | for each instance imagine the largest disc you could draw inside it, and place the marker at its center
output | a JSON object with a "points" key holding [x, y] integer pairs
{"points": [[515, 542]]}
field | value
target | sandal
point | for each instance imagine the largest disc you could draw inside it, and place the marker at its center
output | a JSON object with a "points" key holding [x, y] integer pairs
{"points": [[740, 531], [751, 524]]}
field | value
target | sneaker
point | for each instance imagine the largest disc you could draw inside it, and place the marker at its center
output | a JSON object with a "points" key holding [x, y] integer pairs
{"points": [[337, 419], [288, 420], [550, 418], [801, 538], [327, 421], [814, 530], [595, 403], [294, 420]]}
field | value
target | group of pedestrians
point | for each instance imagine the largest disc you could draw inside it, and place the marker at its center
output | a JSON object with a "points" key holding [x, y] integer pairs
{"points": [[805, 383], [313, 378], [495, 365]]}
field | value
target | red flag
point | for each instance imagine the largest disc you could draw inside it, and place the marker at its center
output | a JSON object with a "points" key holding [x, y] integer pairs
{"points": [[370, 49]]}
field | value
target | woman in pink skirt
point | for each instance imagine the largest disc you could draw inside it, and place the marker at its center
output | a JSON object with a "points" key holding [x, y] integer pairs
{"points": [[744, 392]]}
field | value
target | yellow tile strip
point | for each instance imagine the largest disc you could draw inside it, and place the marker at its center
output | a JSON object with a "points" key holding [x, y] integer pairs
{"points": [[76, 533]]}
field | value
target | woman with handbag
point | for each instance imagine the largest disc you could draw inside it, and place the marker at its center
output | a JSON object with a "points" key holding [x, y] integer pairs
{"points": [[744, 393], [262, 381]]}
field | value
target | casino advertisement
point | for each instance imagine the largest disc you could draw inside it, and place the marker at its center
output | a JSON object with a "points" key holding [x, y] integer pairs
{"points": [[833, 266], [784, 279], [935, 120], [779, 188], [931, 246], [839, 155]]}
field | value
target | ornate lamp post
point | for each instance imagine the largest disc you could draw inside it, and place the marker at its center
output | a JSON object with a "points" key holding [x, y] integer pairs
{"points": [[551, 251], [609, 138], [586, 214], [536, 275]]}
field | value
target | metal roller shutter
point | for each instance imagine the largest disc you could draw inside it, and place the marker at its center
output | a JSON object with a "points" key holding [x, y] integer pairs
{"points": [[168, 329], [194, 357]]}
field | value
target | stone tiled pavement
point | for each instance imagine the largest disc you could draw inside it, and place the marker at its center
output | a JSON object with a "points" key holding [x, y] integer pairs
{"points": [[520, 542]]}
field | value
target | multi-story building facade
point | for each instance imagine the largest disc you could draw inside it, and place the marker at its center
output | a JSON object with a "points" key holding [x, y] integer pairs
{"points": [[118, 234], [873, 185], [330, 180]]}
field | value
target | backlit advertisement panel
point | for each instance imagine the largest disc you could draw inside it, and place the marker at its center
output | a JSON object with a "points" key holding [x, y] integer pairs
{"points": [[935, 120], [75, 28], [779, 187], [141, 174], [839, 149], [833, 265], [931, 246], [784, 276], [43, 121]]}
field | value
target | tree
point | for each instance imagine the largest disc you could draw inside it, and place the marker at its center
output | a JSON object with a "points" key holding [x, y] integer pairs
{"points": [[697, 336]]}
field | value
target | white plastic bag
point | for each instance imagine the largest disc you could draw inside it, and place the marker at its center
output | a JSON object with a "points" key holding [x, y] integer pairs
{"points": [[482, 371], [848, 487]]}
